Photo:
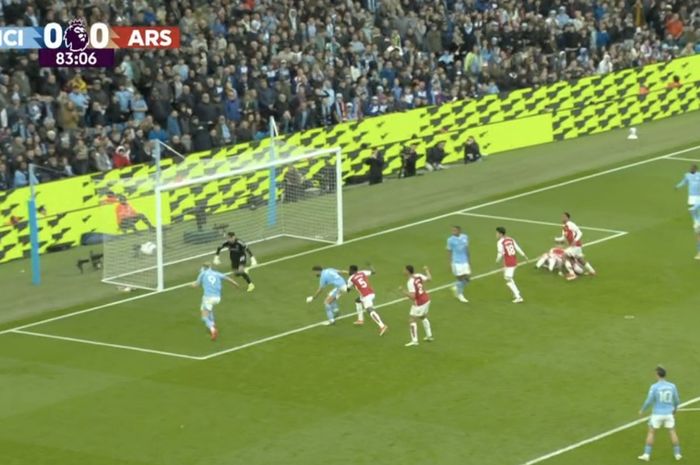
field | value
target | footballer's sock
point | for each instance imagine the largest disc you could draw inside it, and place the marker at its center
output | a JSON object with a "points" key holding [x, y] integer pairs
{"points": [[460, 287], [676, 449], [208, 322], [360, 311], [589, 268], [244, 275], [329, 312], [426, 327], [377, 319], [551, 265], [413, 327], [647, 449], [569, 267], [541, 262], [511, 285]]}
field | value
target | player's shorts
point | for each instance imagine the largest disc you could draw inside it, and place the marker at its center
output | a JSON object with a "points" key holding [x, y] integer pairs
{"points": [[693, 200], [209, 302], [574, 251], [420, 311], [461, 269], [336, 292], [238, 261], [367, 301], [509, 272], [667, 421]]}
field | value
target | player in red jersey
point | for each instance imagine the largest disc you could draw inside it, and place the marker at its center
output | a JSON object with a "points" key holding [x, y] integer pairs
{"points": [[553, 259], [359, 279], [416, 291], [572, 234], [508, 251]]}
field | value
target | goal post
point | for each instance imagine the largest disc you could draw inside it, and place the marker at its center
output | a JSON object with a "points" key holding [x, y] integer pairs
{"points": [[280, 198]]}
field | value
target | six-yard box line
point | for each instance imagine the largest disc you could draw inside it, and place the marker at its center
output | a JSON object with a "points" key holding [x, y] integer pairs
{"points": [[22, 329], [612, 234]]}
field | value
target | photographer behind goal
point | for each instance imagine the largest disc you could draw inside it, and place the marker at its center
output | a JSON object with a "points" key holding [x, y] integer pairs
{"points": [[238, 253]]}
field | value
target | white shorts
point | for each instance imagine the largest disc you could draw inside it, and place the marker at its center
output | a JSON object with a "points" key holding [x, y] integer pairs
{"points": [[337, 291], [461, 269], [667, 421], [574, 251], [419, 311], [209, 302], [693, 200], [508, 272], [367, 301]]}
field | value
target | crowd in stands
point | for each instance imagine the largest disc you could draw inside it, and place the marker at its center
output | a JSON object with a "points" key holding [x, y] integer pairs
{"points": [[308, 63]]}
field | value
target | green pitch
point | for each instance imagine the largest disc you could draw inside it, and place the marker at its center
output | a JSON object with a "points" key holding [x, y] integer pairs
{"points": [[138, 382]]}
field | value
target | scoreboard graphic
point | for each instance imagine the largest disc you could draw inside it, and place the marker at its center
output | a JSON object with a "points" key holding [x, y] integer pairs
{"points": [[78, 44]]}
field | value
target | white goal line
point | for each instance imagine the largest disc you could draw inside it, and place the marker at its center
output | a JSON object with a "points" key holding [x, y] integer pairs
{"points": [[274, 336], [379, 233]]}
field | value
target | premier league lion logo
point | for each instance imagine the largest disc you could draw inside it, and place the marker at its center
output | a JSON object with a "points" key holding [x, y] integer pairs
{"points": [[75, 38]]}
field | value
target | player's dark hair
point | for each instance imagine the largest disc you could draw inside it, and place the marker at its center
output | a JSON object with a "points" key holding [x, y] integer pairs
{"points": [[661, 372], [501, 230], [458, 228], [231, 234], [567, 215], [317, 268], [410, 269], [353, 269]]}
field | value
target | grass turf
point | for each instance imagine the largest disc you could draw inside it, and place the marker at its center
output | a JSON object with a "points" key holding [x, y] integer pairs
{"points": [[502, 384]]}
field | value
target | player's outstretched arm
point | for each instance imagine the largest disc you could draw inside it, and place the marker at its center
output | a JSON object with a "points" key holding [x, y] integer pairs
{"points": [[311, 298], [232, 281], [427, 273]]}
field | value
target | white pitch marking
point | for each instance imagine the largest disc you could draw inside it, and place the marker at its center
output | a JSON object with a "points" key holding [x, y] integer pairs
{"points": [[379, 233], [106, 344], [597, 437], [382, 305], [545, 223], [684, 159]]}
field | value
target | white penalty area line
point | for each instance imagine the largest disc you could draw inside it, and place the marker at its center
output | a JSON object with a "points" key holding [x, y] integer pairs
{"points": [[376, 234], [544, 223], [383, 305], [696, 409], [275, 336], [696, 160], [105, 344], [600, 436]]}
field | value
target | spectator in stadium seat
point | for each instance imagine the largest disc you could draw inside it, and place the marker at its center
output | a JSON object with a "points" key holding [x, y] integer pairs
{"points": [[121, 157], [5, 182], [472, 152], [22, 177]]}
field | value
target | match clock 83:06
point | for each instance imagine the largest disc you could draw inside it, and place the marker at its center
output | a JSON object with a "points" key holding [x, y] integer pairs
{"points": [[91, 57]]}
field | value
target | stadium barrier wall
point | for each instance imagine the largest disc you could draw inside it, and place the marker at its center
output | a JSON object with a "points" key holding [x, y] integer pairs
{"points": [[526, 117]]}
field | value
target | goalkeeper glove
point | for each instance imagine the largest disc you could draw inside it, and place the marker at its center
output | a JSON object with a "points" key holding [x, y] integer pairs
{"points": [[216, 260], [253, 261]]}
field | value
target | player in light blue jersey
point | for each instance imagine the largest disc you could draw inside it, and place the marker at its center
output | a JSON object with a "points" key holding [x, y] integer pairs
{"points": [[692, 180], [695, 214], [329, 277], [663, 400], [458, 252], [210, 280]]}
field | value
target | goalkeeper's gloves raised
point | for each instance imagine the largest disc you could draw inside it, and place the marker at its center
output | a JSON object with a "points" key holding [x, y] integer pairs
{"points": [[253, 261], [216, 260]]}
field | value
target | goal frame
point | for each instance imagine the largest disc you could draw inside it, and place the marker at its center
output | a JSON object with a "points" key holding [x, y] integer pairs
{"points": [[166, 187]]}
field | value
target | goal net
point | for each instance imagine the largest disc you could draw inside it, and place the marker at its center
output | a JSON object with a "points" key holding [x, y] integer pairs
{"points": [[278, 198]]}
